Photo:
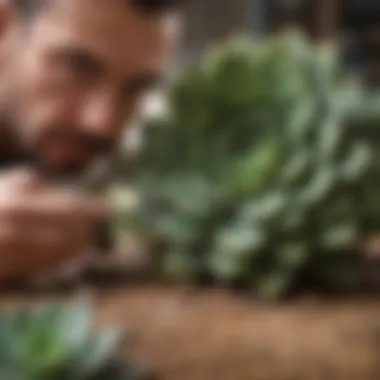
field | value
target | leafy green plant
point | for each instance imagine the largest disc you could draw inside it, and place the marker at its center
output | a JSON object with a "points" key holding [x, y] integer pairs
{"points": [[56, 342], [265, 169]]}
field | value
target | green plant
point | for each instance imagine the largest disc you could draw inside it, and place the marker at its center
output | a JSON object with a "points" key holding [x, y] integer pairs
{"points": [[56, 342], [265, 171]]}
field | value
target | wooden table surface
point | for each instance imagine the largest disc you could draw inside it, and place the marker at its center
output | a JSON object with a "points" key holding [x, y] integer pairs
{"points": [[210, 334]]}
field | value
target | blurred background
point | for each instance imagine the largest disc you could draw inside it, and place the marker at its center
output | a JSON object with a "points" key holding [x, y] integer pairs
{"points": [[354, 22]]}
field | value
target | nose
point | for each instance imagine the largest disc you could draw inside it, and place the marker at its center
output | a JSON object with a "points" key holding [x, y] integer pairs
{"points": [[99, 114]]}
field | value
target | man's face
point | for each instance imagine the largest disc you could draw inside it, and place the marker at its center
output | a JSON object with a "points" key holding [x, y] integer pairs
{"points": [[75, 75]]}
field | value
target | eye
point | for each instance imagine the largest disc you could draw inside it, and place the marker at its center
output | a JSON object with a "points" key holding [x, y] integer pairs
{"points": [[77, 64], [80, 65]]}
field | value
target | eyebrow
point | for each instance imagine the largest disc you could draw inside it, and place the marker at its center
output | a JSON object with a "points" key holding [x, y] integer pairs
{"points": [[95, 64]]}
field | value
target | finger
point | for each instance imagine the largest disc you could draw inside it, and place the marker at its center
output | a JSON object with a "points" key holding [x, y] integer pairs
{"points": [[52, 208], [19, 180], [59, 249], [80, 237], [19, 253], [37, 249]]}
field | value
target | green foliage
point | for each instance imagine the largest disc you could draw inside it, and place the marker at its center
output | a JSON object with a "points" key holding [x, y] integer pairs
{"points": [[57, 343], [265, 171]]}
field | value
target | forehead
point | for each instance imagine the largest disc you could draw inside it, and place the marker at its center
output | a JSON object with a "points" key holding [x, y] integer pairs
{"points": [[111, 29]]}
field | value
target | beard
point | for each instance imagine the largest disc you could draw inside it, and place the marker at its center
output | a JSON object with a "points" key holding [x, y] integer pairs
{"points": [[93, 174], [64, 151]]}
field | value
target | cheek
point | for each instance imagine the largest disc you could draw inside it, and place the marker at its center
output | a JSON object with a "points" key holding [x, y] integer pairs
{"points": [[42, 84], [44, 98]]}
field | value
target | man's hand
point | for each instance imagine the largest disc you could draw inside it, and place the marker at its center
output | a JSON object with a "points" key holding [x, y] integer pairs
{"points": [[42, 227]]}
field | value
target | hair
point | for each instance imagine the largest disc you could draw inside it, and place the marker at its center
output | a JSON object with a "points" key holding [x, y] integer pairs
{"points": [[29, 7], [157, 6]]}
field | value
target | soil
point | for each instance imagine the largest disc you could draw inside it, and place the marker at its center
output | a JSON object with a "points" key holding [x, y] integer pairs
{"points": [[193, 334]]}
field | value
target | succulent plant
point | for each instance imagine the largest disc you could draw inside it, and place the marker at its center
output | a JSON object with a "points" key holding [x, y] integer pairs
{"points": [[56, 342], [265, 169]]}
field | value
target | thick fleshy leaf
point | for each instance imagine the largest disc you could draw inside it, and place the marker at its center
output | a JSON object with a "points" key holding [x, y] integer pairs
{"points": [[330, 139], [75, 324], [226, 267], [255, 170], [340, 237], [233, 72], [179, 264], [273, 285], [235, 247], [266, 208], [97, 353], [292, 255], [295, 219], [297, 171], [50, 344], [320, 187], [358, 162], [240, 240], [325, 67], [177, 228], [300, 120]]}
